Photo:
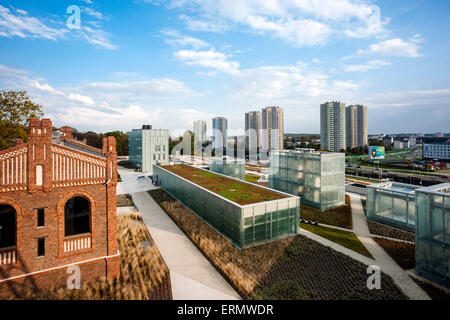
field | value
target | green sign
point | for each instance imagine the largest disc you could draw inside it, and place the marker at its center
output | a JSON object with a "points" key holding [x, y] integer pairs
{"points": [[376, 153]]}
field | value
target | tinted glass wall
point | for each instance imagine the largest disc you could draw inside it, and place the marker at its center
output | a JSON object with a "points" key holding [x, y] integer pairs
{"points": [[433, 234], [246, 225], [232, 168], [393, 204], [317, 177]]}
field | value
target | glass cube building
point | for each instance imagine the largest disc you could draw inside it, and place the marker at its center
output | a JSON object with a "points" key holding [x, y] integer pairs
{"points": [[317, 177], [228, 166], [244, 225], [392, 203], [433, 233]]}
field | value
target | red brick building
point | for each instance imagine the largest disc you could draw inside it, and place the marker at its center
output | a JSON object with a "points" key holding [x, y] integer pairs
{"points": [[57, 209]]}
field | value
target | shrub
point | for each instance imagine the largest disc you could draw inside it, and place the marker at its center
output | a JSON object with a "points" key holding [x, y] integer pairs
{"points": [[143, 273]]}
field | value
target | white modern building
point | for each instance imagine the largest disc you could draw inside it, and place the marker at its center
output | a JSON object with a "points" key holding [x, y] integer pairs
{"points": [[147, 147], [200, 131], [356, 122], [436, 148], [272, 125], [220, 127], [199, 137], [333, 126], [253, 136]]}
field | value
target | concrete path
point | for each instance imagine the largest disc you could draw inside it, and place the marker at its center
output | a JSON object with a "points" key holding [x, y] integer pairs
{"points": [[192, 275], [383, 260], [130, 182]]}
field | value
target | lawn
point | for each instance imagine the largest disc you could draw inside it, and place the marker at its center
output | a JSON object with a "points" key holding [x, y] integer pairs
{"points": [[239, 192], [339, 216], [143, 273], [252, 178], [344, 238], [402, 252], [292, 268]]}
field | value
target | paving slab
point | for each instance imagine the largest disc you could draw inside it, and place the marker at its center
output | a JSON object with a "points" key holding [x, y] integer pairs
{"points": [[383, 260], [192, 275], [131, 184]]}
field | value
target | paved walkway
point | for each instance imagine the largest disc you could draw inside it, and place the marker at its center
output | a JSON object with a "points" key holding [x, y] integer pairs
{"points": [[383, 260], [192, 275], [130, 182]]}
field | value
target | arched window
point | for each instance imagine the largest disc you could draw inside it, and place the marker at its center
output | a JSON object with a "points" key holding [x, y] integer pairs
{"points": [[77, 216], [7, 226]]}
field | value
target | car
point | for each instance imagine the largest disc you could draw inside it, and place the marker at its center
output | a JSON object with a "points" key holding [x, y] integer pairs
{"points": [[385, 171]]}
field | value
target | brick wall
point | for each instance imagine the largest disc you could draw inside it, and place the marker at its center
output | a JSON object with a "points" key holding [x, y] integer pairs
{"points": [[66, 173]]}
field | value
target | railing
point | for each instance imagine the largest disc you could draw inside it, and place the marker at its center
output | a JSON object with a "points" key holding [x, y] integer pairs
{"points": [[76, 243], [8, 256]]}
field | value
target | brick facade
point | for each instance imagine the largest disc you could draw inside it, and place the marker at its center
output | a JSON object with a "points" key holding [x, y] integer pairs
{"points": [[44, 174]]}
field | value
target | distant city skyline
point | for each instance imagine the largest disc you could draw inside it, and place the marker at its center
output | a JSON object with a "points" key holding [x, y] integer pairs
{"points": [[171, 62]]}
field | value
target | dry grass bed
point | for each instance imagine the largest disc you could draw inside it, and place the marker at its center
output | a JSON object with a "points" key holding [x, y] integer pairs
{"points": [[293, 268], [236, 191], [388, 231], [143, 273], [339, 216], [124, 200], [401, 252]]}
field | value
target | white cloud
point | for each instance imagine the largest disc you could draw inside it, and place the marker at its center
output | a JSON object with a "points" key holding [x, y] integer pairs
{"points": [[93, 13], [107, 105], [18, 23], [285, 85], [97, 38], [195, 24], [373, 64], [80, 98], [395, 47], [301, 22], [208, 59], [177, 39]]}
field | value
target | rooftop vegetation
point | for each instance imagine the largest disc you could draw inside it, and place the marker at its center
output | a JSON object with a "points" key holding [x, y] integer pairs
{"points": [[237, 191]]}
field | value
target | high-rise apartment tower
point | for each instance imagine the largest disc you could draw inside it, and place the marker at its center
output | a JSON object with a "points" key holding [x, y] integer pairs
{"points": [[333, 126]]}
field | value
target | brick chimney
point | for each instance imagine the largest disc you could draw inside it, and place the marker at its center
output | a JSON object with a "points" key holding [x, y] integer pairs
{"points": [[16, 142], [39, 155], [66, 133]]}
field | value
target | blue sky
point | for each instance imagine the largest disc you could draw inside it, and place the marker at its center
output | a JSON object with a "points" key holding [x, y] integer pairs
{"points": [[170, 62]]}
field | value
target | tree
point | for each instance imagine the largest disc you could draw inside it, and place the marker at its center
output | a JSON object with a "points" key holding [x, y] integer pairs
{"points": [[121, 142], [16, 109]]}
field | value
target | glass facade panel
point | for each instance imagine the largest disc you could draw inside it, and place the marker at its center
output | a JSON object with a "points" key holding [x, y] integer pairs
{"points": [[433, 233], [393, 204], [230, 167], [245, 225], [317, 177]]}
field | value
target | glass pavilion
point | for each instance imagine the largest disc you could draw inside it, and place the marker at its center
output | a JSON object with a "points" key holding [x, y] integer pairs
{"points": [[317, 177]]}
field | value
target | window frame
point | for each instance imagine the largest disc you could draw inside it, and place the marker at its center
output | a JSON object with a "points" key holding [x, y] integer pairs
{"points": [[40, 211]]}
